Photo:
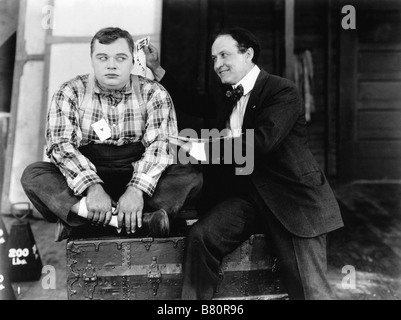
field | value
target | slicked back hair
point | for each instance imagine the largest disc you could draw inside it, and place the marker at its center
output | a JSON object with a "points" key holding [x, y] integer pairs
{"points": [[245, 40]]}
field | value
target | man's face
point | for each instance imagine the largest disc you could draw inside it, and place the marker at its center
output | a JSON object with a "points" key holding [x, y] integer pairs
{"points": [[229, 63], [112, 63]]}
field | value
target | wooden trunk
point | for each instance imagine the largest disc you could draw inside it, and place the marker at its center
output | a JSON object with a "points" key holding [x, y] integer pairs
{"points": [[151, 269]]}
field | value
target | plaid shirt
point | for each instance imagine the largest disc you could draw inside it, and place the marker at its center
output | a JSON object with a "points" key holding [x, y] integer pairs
{"points": [[69, 128]]}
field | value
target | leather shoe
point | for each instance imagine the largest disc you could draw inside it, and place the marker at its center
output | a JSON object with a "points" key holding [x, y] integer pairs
{"points": [[156, 223], [63, 231]]}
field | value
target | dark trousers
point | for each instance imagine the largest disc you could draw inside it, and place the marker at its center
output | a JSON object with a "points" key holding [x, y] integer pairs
{"points": [[301, 261], [48, 191]]}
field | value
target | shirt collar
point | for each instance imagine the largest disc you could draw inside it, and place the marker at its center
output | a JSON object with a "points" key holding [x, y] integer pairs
{"points": [[248, 82], [127, 89]]}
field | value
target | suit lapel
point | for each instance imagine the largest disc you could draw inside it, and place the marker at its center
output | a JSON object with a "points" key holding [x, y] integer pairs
{"points": [[253, 101]]}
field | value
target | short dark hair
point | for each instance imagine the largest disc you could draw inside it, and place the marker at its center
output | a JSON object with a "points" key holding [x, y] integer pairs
{"points": [[245, 39], [109, 35]]}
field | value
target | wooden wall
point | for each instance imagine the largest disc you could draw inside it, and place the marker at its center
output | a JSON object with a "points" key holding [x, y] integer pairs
{"points": [[315, 31], [372, 104]]}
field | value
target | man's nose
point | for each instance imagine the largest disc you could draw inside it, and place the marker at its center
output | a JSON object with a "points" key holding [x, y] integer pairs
{"points": [[111, 64], [217, 64]]}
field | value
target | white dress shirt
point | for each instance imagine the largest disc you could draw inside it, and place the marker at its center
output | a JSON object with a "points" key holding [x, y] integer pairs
{"points": [[237, 116]]}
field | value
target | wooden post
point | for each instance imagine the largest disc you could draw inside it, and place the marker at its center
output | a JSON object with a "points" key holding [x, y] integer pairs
{"points": [[45, 93], [289, 39], [329, 105], [4, 120], [346, 111]]}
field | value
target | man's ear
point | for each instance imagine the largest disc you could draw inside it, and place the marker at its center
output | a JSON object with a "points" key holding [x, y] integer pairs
{"points": [[250, 53], [92, 63]]}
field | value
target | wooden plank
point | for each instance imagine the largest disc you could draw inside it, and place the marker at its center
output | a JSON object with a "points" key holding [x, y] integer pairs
{"points": [[378, 169], [383, 90], [389, 76], [347, 100], [329, 132], [45, 92], [35, 57], [379, 61], [380, 46], [289, 39], [379, 150], [4, 119], [51, 39], [379, 124], [382, 5], [379, 105]]}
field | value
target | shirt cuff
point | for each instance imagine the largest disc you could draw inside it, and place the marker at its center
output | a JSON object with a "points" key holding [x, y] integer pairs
{"points": [[83, 181], [144, 183]]}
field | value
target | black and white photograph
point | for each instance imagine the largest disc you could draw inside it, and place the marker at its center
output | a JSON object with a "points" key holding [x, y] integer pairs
{"points": [[224, 151]]}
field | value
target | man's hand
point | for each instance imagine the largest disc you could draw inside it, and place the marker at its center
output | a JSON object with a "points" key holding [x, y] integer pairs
{"points": [[129, 209], [186, 145], [99, 205], [153, 61]]}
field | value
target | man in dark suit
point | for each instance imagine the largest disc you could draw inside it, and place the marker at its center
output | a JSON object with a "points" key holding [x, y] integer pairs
{"points": [[287, 194]]}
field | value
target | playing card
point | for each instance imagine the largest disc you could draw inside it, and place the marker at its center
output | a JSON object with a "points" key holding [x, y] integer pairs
{"points": [[140, 57], [102, 130], [141, 43]]}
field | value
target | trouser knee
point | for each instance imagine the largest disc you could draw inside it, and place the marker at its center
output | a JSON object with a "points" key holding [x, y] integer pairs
{"points": [[29, 175], [196, 178], [196, 235]]}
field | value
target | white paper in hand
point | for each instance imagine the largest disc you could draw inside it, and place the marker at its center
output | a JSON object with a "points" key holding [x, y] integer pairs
{"points": [[83, 212], [198, 151], [140, 57]]}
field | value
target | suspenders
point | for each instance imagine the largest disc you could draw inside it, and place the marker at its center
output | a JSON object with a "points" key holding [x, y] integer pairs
{"points": [[88, 95], [87, 99], [142, 106]]}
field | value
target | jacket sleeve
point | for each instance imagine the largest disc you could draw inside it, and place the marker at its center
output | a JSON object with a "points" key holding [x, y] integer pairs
{"points": [[275, 119]]}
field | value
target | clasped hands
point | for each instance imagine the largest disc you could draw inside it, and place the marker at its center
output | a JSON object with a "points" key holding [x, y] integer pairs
{"points": [[128, 209]]}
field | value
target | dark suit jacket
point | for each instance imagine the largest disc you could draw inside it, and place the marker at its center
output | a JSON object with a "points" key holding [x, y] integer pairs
{"points": [[286, 175]]}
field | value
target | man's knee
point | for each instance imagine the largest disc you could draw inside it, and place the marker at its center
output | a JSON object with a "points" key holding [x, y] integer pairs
{"points": [[196, 177], [32, 172], [189, 171], [196, 233], [187, 175], [200, 236]]}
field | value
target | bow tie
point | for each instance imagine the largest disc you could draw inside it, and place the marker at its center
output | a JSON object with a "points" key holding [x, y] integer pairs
{"points": [[118, 95], [234, 95], [115, 96], [109, 93]]}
